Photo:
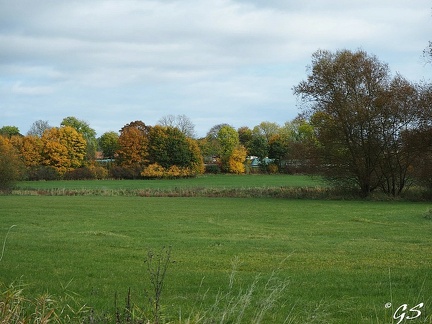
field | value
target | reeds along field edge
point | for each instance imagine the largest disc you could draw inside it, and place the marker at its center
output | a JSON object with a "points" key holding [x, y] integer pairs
{"points": [[258, 192]]}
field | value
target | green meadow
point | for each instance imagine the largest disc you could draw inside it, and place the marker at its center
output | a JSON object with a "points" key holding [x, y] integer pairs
{"points": [[232, 260], [204, 181]]}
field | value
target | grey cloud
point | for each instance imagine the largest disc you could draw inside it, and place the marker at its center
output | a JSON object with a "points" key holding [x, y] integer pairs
{"points": [[149, 57]]}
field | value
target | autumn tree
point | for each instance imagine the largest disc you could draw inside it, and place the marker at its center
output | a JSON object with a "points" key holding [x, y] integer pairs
{"points": [[88, 133], [38, 128], [360, 114], [10, 165], [30, 149], [63, 148], [245, 136], [196, 164], [236, 162], [408, 155], [132, 154], [230, 150], [302, 145], [109, 144]]}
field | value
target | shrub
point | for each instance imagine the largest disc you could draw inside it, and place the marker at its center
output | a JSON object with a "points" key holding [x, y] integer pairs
{"points": [[212, 168], [119, 172], [42, 173], [273, 168], [86, 173], [156, 171], [153, 171], [98, 172], [83, 173]]}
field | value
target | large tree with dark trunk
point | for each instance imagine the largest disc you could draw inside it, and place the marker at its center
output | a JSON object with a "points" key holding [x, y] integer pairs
{"points": [[364, 120]]}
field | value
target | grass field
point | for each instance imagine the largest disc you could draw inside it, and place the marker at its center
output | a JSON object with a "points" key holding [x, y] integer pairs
{"points": [[207, 181], [310, 261]]}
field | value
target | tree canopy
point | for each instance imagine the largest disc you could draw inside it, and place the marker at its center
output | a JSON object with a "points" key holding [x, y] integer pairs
{"points": [[181, 122], [88, 133], [38, 128], [9, 131], [362, 116]]}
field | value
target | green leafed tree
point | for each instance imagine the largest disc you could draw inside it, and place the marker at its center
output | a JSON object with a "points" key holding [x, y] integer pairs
{"points": [[266, 129], [109, 144], [9, 131], [228, 140], [169, 147], [245, 136], [258, 146]]}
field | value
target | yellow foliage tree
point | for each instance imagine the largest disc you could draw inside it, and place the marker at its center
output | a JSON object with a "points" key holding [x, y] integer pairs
{"points": [[237, 159], [63, 148], [29, 148], [197, 162], [56, 155]]}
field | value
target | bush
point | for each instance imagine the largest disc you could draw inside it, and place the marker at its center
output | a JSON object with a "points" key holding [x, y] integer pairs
{"points": [[118, 172], [156, 171], [86, 173], [212, 168], [273, 168], [79, 174], [42, 173], [98, 172]]}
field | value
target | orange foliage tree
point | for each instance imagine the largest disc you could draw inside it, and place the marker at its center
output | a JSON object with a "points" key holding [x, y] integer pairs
{"points": [[10, 164], [133, 147], [30, 149]]}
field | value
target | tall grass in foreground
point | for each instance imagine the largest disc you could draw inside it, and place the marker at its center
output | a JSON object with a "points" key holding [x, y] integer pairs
{"points": [[235, 305], [241, 305], [16, 307]]}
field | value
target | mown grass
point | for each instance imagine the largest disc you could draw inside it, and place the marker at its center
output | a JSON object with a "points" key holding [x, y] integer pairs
{"points": [[338, 261]]}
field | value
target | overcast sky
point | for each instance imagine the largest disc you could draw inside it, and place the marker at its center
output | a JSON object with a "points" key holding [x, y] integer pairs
{"points": [[216, 61]]}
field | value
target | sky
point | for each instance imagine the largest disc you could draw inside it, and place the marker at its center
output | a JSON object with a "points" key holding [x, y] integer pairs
{"points": [[109, 63]]}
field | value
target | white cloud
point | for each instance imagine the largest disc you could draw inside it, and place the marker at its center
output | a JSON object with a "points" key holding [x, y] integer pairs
{"points": [[130, 59]]}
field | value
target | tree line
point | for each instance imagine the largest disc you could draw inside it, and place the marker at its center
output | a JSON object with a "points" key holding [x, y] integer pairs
{"points": [[360, 128]]}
